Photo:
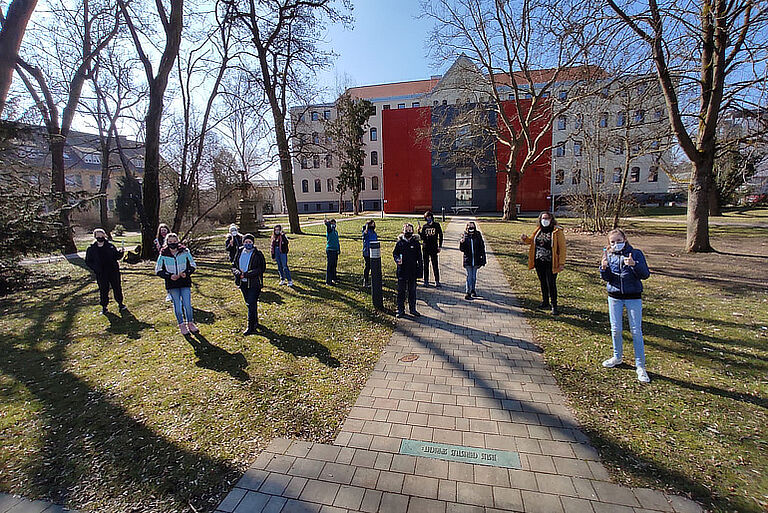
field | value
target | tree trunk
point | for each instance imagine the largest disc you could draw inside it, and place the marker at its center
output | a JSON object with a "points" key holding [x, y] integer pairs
{"points": [[697, 240], [510, 196], [11, 35], [286, 170], [620, 199], [56, 146], [356, 203], [104, 185], [151, 184], [715, 209], [183, 201], [341, 203]]}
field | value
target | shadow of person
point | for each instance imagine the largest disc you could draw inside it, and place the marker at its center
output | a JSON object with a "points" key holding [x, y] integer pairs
{"points": [[217, 359], [77, 261], [126, 324], [203, 316], [270, 297], [300, 347]]}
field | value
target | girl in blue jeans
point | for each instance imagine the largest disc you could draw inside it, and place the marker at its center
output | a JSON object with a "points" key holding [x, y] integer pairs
{"points": [[176, 265], [623, 268], [279, 250], [472, 246]]}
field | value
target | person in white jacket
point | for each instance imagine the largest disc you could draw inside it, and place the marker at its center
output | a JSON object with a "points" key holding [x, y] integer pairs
{"points": [[175, 265]]}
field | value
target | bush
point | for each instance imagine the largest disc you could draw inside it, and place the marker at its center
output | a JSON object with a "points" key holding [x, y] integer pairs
{"points": [[119, 230]]}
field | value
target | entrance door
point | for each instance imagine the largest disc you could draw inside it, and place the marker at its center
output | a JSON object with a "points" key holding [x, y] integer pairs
{"points": [[463, 186]]}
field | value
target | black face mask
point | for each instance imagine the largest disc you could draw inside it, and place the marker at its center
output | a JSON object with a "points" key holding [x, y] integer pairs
{"points": [[408, 235], [101, 239], [173, 245]]}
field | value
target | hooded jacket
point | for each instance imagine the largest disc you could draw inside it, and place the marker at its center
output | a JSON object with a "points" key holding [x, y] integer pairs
{"points": [[409, 250], [255, 272], [473, 247], [168, 265], [103, 260], [331, 238], [368, 237], [624, 281], [232, 244]]}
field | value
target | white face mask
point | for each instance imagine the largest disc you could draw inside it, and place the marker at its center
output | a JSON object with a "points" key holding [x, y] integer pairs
{"points": [[617, 246], [545, 222]]}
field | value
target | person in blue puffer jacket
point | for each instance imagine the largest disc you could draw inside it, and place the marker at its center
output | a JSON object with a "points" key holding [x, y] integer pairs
{"points": [[623, 268], [369, 235]]}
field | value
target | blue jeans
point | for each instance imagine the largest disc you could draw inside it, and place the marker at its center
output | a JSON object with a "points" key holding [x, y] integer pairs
{"points": [[182, 304], [635, 315], [471, 277], [282, 265]]}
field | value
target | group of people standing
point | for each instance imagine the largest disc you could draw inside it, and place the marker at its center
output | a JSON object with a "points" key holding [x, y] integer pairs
{"points": [[622, 267]]}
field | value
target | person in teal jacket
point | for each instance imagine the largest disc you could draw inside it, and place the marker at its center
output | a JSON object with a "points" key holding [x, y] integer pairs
{"points": [[332, 250]]}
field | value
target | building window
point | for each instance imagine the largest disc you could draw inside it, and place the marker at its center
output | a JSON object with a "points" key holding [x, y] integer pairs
{"points": [[315, 116], [619, 149], [304, 163], [655, 145], [562, 122], [617, 173], [318, 207], [329, 184], [374, 134], [315, 138], [560, 150], [316, 161], [373, 107], [92, 158], [528, 96], [110, 204], [95, 181], [400, 105], [576, 177], [600, 178], [362, 183], [579, 121], [330, 206], [641, 89], [74, 180], [375, 205], [306, 207], [374, 158], [328, 160], [375, 185], [464, 186], [445, 102], [317, 185], [545, 94], [639, 116], [563, 95], [635, 149], [603, 120], [621, 118], [559, 177], [326, 114], [385, 107], [415, 104], [305, 186], [634, 174], [657, 114], [653, 174], [606, 92], [577, 148]]}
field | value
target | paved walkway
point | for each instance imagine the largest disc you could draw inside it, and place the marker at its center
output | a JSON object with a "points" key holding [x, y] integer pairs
{"points": [[465, 374], [14, 504]]}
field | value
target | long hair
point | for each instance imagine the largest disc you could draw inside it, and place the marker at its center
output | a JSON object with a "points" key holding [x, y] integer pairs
{"points": [[168, 236], [553, 220], [466, 228], [159, 236], [274, 237]]}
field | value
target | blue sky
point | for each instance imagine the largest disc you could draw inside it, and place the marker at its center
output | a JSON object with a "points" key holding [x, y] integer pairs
{"points": [[386, 45]]}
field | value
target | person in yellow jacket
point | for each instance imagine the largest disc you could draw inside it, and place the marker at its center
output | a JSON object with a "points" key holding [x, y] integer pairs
{"points": [[546, 254]]}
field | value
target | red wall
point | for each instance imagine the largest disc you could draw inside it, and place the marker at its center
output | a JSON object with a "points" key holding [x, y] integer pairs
{"points": [[534, 186], [407, 158]]}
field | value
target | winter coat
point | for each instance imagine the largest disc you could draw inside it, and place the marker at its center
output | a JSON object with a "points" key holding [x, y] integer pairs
{"points": [[368, 237], [331, 238], [624, 281], [282, 241], [412, 265], [255, 272], [473, 248], [558, 248], [168, 265], [432, 235], [103, 260], [232, 244]]}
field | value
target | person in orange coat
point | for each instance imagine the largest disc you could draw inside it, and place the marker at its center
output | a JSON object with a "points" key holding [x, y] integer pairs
{"points": [[546, 254]]}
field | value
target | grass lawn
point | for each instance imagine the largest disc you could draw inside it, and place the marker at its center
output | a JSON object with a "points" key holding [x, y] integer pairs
{"points": [[121, 413], [701, 426], [729, 213]]}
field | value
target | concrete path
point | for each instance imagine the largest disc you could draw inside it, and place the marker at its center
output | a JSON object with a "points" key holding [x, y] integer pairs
{"points": [[14, 504], [464, 374]]}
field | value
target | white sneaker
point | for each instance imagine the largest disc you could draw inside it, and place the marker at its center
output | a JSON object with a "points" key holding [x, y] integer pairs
{"points": [[642, 376], [612, 362], [290, 283], [282, 282]]}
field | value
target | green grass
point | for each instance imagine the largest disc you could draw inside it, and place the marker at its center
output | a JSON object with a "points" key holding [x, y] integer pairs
{"points": [[121, 413], [700, 427], [759, 214]]}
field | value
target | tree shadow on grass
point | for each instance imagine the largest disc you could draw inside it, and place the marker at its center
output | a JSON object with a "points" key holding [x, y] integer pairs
{"points": [[91, 450], [299, 347], [126, 324], [217, 359], [203, 316], [736, 396]]}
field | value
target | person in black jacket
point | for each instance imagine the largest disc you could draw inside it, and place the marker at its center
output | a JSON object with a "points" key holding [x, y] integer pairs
{"points": [[248, 267], [102, 257], [432, 235], [407, 255], [473, 247], [233, 242]]}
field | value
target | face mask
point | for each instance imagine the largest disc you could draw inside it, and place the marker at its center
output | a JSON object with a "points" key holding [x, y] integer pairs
{"points": [[617, 246], [470, 230], [333, 226], [372, 227], [545, 222], [173, 245], [408, 235], [277, 232], [248, 246], [233, 232], [100, 239], [429, 220]]}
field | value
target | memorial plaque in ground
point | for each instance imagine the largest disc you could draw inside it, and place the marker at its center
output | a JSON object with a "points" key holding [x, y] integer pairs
{"points": [[474, 455]]}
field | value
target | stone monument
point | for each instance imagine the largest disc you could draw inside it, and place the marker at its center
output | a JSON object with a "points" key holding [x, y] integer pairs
{"points": [[250, 215]]}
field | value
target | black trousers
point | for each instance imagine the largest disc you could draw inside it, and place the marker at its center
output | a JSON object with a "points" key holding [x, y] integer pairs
{"points": [[251, 296], [105, 281], [332, 261], [366, 269], [548, 281], [403, 285], [433, 256]]}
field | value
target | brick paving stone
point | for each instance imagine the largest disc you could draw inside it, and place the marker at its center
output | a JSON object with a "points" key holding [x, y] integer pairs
{"points": [[432, 468], [420, 486], [683, 505], [275, 484], [275, 505], [337, 473], [365, 477], [420, 505], [299, 506], [232, 499], [306, 468], [390, 482], [251, 480], [481, 495], [574, 505], [393, 503], [371, 501], [320, 492], [350, 497], [652, 499], [295, 487], [403, 463], [534, 502], [613, 493], [253, 502]]}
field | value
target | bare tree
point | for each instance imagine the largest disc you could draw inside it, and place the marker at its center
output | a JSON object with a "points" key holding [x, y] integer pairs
{"points": [[284, 35], [707, 54], [11, 34], [173, 24], [515, 53], [68, 64]]}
